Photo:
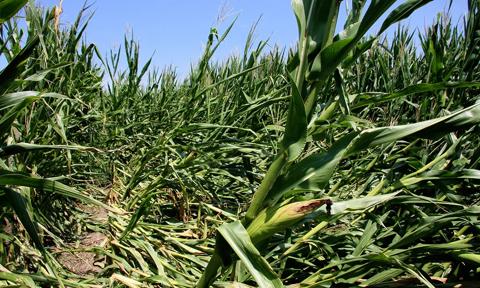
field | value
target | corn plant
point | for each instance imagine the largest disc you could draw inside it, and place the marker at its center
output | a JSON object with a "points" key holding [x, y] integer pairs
{"points": [[19, 181], [320, 59], [372, 185]]}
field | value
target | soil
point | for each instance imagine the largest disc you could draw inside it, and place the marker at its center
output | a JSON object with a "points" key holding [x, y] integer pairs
{"points": [[79, 257]]}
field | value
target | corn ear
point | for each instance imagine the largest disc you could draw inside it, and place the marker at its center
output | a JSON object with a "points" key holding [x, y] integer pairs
{"points": [[276, 219]]}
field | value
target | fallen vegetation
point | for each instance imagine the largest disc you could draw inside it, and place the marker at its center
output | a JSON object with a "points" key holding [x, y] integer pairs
{"points": [[349, 161]]}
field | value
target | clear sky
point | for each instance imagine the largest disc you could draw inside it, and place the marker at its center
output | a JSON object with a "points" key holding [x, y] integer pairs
{"points": [[175, 31]]}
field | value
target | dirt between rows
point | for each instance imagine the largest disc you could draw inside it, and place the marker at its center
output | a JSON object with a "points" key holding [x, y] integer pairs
{"points": [[79, 257]]}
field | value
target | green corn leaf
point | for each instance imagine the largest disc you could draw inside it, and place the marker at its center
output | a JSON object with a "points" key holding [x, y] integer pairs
{"points": [[8, 8], [26, 147], [455, 245], [232, 285], [18, 179], [402, 12], [374, 11], [365, 100], [359, 49], [40, 75], [329, 58], [340, 208], [22, 280], [296, 129], [300, 16], [320, 166], [142, 210], [316, 21], [431, 225], [355, 12], [17, 202], [9, 100], [332, 55], [335, 53], [315, 171], [469, 257], [429, 129], [361, 204], [366, 239], [441, 175], [342, 94], [8, 118], [15, 67], [237, 237], [321, 23], [382, 277], [414, 271]]}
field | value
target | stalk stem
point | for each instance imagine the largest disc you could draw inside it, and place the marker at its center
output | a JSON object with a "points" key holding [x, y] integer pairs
{"points": [[265, 187]]}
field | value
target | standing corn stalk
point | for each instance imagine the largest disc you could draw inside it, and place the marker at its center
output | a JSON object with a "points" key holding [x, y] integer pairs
{"points": [[320, 59]]}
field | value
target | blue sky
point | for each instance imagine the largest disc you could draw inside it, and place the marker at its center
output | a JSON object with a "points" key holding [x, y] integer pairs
{"points": [[175, 31]]}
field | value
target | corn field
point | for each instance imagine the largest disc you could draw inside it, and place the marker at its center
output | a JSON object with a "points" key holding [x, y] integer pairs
{"points": [[350, 160]]}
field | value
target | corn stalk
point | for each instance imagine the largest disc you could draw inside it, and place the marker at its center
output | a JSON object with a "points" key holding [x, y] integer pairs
{"points": [[321, 56]]}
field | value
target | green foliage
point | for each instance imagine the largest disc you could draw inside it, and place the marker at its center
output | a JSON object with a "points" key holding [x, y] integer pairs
{"points": [[237, 237], [8, 8], [352, 162]]}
